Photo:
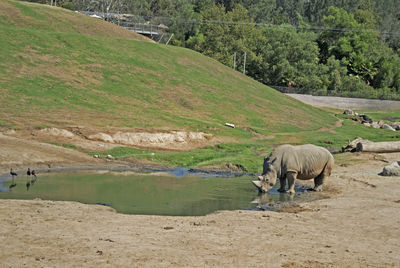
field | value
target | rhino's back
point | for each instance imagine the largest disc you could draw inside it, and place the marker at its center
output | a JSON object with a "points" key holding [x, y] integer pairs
{"points": [[307, 160]]}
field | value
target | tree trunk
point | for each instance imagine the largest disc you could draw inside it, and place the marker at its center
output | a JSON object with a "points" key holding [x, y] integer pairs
{"points": [[379, 147]]}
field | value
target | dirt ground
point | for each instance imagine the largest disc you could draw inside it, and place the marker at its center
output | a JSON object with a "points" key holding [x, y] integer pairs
{"points": [[356, 225]]}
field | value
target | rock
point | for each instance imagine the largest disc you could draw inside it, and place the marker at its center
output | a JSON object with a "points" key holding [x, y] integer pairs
{"points": [[381, 123], [96, 156], [385, 126], [395, 125], [348, 112], [101, 137], [57, 132], [230, 125], [375, 125], [391, 170], [366, 124], [110, 157], [10, 132], [366, 118]]}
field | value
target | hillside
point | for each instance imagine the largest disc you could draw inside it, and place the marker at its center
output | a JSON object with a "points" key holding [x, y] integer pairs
{"points": [[56, 62], [60, 69]]}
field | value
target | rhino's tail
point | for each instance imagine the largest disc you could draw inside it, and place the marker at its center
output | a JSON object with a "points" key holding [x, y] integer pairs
{"points": [[327, 170]]}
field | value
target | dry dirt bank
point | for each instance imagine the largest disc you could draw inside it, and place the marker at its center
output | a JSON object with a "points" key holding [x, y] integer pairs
{"points": [[357, 226]]}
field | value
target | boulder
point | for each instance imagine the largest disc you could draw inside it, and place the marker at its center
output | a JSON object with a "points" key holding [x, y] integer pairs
{"points": [[386, 126], [57, 132], [391, 170], [395, 125], [365, 118], [101, 137], [348, 112], [375, 125]]}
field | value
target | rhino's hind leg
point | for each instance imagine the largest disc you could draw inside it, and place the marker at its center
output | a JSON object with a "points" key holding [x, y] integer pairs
{"points": [[291, 177], [283, 184], [318, 181]]}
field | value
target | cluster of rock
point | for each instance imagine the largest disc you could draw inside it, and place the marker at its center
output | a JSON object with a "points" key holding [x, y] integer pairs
{"points": [[367, 121]]}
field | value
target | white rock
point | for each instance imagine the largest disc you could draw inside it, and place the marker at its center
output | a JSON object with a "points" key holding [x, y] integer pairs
{"points": [[391, 170], [57, 132], [375, 125], [101, 137], [385, 126]]}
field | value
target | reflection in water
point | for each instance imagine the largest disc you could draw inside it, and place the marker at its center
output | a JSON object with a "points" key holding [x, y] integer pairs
{"points": [[146, 193], [269, 198]]}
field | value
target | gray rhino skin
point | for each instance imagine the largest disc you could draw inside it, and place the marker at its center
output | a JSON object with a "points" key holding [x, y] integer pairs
{"points": [[303, 162]]}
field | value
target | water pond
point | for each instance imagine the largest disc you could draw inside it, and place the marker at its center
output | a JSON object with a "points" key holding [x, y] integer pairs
{"points": [[175, 193]]}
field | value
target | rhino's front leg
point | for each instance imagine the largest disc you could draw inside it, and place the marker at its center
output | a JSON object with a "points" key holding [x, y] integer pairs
{"points": [[282, 181], [291, 177]]}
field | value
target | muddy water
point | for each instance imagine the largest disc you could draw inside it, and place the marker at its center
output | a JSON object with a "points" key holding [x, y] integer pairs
{"points": [[176, 193]]}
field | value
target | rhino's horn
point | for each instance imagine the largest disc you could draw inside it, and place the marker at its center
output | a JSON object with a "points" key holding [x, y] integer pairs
{"points": [[257, 184]]}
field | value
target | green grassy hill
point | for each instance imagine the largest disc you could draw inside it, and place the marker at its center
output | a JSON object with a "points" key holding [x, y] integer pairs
{"points": [[60, 68]]}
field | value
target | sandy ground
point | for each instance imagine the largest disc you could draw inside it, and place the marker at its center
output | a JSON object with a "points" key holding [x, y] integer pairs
{"points": [[356, 225]]}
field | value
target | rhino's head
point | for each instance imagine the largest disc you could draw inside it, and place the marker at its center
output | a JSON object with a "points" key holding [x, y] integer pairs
{"points": [[267, 180]]}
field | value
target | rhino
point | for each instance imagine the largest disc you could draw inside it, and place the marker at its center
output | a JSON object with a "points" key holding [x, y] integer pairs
{"points": [[303, 162]]}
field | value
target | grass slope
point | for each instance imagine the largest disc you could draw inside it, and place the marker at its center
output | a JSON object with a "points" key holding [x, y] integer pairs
{"points": [[60, 68]]}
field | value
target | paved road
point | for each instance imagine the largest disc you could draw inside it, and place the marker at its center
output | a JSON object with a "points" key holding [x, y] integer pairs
{"points": [[347, 103]]}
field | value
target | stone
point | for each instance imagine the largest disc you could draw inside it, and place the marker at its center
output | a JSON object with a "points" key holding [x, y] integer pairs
{"points": [[386, 126], [366, 118], [348, 112], [375, 125], [395, 125], [391, 170]]}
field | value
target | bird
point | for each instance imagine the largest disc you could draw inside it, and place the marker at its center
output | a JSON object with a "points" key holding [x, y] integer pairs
{"points": [[28, 183], [33, 173], [13, 174]]}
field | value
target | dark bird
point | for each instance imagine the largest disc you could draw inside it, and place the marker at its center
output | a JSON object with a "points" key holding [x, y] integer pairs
{"points": [[33, 173], [12, 173], [28, 183]]}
